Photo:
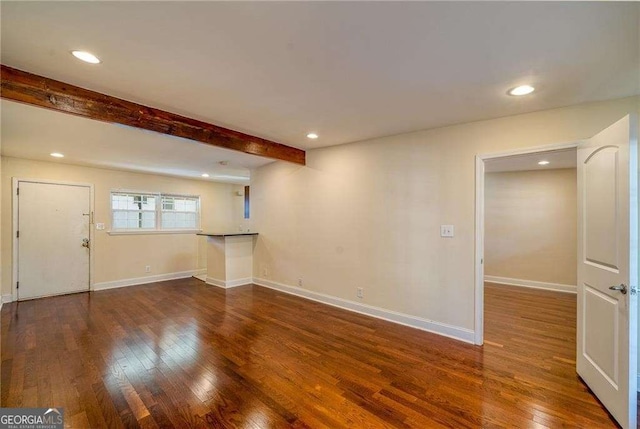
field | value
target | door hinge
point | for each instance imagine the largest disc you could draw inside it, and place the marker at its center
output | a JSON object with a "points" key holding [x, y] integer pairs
{"points": [[17, 234], [17, 191], [17, 285]]}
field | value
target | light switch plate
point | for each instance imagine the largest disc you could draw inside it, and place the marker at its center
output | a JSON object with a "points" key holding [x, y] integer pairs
{"points": [[446, 231], [99, 226]]}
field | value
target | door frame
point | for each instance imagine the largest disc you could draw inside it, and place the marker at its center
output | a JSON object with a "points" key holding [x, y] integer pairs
{"points": [[479, 225], [15, 181]]}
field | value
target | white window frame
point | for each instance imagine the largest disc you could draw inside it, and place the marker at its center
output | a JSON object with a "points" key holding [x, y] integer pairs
{"points": [[133, 193], [158, 211], [161, 210]]}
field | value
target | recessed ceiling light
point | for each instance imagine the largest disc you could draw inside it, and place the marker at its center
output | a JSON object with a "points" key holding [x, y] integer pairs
{"points": [[312, 136], [57, 155], [204, 175], [521, 90], [543, 162], [87, 57]]}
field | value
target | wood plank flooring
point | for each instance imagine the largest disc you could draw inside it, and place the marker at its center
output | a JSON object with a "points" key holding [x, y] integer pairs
{"points": [[183, 354]]}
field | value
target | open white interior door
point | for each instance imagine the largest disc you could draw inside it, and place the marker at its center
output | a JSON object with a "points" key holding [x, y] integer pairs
{"points": [[608, 269]]}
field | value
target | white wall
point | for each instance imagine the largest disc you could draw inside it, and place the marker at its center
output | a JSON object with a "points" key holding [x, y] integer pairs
{"points": [[530, 226], [368, 214], [121, 257]]}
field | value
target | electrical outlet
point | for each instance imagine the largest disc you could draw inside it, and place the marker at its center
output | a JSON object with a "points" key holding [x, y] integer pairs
{"points": [[265, 272], [300, 282], [446, 231], [147, 269], [360, 293]]}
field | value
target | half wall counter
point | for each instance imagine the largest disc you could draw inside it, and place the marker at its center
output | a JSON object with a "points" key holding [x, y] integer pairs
{"points": [[230, 258]]}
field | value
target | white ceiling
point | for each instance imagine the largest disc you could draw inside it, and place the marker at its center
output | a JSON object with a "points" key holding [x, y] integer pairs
{"points": [[346, 70], [566, 158], [33, 133]]}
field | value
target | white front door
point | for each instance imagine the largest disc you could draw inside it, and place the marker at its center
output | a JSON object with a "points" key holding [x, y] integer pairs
{"points": [[53, 222], [607, 268]]}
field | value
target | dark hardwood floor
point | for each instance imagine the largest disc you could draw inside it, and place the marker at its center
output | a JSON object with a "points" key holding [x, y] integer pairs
{"points": [[184, 354]]}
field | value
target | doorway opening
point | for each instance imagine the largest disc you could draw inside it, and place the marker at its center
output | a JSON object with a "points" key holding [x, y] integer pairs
{"points": [[508, 172], [606, 316], [530, 254]]}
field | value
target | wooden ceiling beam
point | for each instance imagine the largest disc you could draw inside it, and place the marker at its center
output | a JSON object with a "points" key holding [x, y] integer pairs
{"points": [[28, 88]]}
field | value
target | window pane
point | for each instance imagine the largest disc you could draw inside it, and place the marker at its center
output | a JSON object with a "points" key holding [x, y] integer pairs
{"points": [[132, 223], [179, 205], [167, 203], [119, 223], [168, 220], [191, 221], [148, 220], [187, 220], [132, 203], [119, 215], [148, 203], [115, 201], [179, 220]]}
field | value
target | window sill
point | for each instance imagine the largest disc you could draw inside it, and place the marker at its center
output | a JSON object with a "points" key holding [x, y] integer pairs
{"points": [[155, 232]]}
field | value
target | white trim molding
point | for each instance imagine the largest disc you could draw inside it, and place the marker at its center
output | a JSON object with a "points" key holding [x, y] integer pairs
{"points": [[144, 280], [229, 283], [5, 299], [455, 332], [201, 274], [557, 287], [153, 231]]}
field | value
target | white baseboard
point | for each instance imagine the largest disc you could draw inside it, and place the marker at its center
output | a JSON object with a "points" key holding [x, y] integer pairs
{"points": [[5, 299], [201, 275], [144, 280], [458, 333], [228, 284], [557, 287]]}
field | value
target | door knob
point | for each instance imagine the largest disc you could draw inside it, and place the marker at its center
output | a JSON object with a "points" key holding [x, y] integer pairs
{"points": [[621, 287], [85, 242]]}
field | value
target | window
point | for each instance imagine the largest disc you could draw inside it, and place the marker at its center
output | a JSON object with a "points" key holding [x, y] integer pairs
{"points": [[134, 211], [247, 206], [179, 212]]}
